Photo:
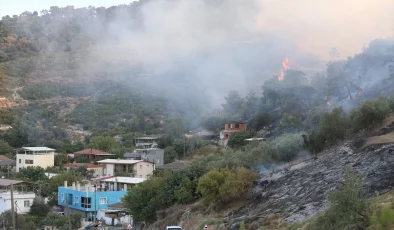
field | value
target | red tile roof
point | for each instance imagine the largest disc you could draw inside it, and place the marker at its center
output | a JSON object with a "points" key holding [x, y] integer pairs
{"points": [[88, 165], [3, 158], [91, 152]]}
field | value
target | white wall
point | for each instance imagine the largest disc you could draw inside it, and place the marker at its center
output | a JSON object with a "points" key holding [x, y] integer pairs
{"points": [[19, 198], [109, 170], [42, 160]]}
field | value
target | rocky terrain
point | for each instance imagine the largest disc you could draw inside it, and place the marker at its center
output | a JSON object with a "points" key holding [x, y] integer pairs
{"points": [[300, 191]]}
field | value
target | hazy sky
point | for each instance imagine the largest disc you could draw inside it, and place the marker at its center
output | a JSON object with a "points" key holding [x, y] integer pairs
{"points": [[315, 25]]}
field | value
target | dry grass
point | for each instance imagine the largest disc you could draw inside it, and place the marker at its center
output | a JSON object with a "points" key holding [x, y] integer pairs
{"points": [[383, 139]]}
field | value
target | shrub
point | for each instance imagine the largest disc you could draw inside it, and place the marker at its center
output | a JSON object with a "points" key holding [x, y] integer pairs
{"points": [[348, 206], [382, 220], [370, 114], [242, 226], [237, 139], [334, 125], [288, 145], [225, 185]]}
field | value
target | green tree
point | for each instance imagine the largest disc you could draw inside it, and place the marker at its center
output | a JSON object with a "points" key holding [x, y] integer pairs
{"points": [[173, 130], [39, 208], [22, 223], [334, 125], [237, 139], [169, 154], [185, 192], [144, 199], [104, 143], [225, 185], [348, 206], [5, 148], [60, 159], [32, 174], [370, 114]]}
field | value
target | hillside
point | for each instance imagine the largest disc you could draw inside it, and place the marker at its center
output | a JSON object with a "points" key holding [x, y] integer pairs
{"points": [[74, 78]]}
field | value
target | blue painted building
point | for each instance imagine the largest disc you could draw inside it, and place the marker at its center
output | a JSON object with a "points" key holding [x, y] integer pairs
{"points": [[88, 198]]}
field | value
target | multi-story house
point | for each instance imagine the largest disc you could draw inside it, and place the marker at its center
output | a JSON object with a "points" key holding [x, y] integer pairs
{"points": [[154, 155], [132, 168], [90, 197], [146, 142], [97, 170], [23, 198], [231, 128], [93, 154], [147, 149], [34, 156]]}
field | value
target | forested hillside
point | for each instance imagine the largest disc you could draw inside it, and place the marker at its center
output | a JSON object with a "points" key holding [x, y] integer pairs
{"points": [[69, 69]]}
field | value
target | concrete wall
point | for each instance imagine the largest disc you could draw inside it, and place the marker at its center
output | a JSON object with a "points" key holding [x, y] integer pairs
{"points": [[143, 169], [19, 198], [43, 160]]}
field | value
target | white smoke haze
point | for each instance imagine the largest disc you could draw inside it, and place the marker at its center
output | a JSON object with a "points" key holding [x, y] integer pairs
{"points": [[188, 50], [211, 46]]}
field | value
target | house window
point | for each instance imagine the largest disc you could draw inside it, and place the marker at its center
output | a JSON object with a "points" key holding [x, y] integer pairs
{"points": [[86, 202], [20, 161], [237, 126], [103, 200], [140, 166], [226, 135], [29, 162], [76, 200], [26, 203]]}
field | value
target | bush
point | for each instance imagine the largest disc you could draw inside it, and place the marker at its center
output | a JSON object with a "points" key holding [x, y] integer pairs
{"points": [[226, 185], [382, 220], [333, 125], [348, 207], [288, 145], [169, 154], [237, 139], [370, 114]]}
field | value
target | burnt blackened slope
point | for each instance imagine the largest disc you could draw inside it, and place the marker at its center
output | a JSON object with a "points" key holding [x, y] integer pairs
{"points": [[301, 191]]}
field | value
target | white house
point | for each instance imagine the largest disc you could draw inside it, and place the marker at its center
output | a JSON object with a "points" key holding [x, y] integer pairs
{"points": [[34, 156], [132, 168], [22, 199]]}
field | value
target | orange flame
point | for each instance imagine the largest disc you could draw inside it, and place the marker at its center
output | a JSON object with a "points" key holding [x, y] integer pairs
{"points": [[281, 76], [285, 65], [329, 103]]}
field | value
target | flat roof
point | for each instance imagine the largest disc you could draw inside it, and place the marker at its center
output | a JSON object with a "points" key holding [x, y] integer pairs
{"points": [[119, 161], [146, 138], [34, 149], [6, 182], [125, 180]]}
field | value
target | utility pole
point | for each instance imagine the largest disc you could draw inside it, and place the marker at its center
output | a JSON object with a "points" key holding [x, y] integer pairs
{"points": [[184, 146], [13, 208], [68, 212]]}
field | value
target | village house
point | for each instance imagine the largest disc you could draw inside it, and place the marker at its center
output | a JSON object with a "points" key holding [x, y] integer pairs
{"points": [[132, 168], [92, 154], [231, 128], [86, 198], [34, 156], [96, 169], [147, 150], [23, 197]]}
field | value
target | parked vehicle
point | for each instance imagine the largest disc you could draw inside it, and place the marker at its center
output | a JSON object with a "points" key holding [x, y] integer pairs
{"points": [[173, 228]]}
